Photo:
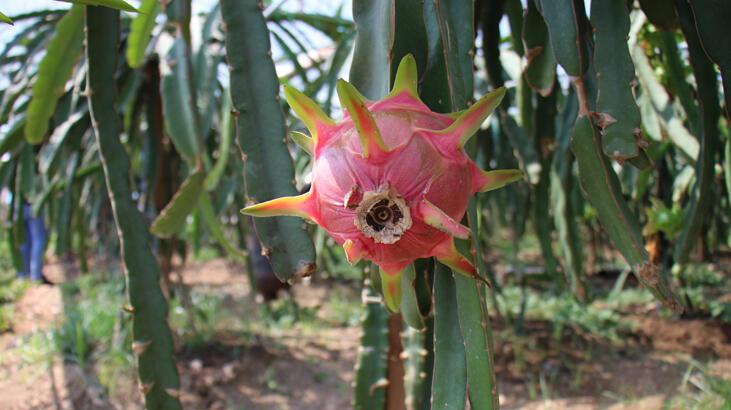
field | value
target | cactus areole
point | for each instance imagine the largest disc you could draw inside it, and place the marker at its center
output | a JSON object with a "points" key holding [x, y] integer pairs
{"points": [[391, 181]]}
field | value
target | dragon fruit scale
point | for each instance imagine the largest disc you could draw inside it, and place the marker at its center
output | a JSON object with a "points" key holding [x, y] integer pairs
{"points": [[391, 181]]}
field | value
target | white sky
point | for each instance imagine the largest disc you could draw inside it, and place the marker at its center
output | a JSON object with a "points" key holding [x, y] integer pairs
{"points": [[24, 6], [315, 38], [13, 7]]}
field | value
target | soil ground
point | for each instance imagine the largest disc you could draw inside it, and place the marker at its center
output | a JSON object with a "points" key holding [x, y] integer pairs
{"points": [[296, 368]]}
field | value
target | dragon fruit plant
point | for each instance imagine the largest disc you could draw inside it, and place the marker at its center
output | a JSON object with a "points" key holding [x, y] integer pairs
{"points": [[391, 181]]}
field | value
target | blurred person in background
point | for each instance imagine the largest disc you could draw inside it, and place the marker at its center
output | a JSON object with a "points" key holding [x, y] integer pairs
{"points": [[34, 246]]}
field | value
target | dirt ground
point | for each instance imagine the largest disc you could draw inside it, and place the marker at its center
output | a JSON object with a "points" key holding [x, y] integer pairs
{"points": [[314, 370]]}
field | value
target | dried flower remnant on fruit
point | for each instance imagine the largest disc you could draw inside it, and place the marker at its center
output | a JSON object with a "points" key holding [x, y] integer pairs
{"points": [[383, 215]]}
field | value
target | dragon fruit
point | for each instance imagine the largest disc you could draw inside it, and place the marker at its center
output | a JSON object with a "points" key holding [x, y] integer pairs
{"points": [[391, 181]]}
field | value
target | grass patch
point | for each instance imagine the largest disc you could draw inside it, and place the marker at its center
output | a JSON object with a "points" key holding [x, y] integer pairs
{"points": [[11, 290], [95, 333], [701, 390], [562, 311]]}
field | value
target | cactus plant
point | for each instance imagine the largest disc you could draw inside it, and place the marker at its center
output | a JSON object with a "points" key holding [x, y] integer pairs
{"points": [[152, 338]]}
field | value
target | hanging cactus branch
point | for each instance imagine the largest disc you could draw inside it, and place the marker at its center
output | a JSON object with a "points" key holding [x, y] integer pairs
{"points": [[261, 133]]}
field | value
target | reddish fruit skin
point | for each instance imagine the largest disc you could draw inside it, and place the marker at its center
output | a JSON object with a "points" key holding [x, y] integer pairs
{"points": [[391, 181], [416, 166]]}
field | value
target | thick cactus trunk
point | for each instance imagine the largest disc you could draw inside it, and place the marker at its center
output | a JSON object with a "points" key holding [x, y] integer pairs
{"points": [[153, 344]]}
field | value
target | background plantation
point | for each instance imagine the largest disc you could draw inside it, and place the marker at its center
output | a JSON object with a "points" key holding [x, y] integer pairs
{"points": [[139, 135]]}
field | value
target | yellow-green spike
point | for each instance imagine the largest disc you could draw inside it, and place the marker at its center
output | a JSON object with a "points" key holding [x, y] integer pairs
{"points": [[407, 77], [497, 178], [370, 137], [353, 253], [307, 110], [391, 287], [446, 252], [435, 217], [469, 121], [303, 141], [299, 205], [456, 114]]}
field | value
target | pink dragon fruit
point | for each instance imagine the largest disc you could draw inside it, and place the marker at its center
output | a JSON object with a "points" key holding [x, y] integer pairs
{"points": [[391, 181]]}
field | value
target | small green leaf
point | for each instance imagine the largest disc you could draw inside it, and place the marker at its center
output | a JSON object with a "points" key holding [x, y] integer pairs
{"points": [[54, 71], [172, 219]]}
